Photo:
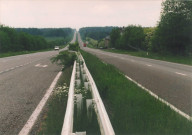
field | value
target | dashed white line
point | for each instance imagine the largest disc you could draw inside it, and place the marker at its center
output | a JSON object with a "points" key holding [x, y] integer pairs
{"points": [[149, 65], [44, 65], [180, 74]]}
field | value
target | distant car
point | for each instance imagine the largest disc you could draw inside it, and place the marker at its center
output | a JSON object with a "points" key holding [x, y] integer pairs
{"points": [[56, 48]]}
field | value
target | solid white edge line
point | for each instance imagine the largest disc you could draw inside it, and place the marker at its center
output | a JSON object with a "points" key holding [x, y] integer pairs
{"points": [[162, 100], [32, 119]]}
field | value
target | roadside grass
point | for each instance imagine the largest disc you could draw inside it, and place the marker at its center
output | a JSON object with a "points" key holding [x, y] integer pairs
{"points": [[132, 110], [170, 58], [8, 54], [53, 117]]}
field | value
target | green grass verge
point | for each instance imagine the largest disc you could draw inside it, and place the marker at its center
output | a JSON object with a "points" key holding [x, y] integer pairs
{"points": [[170, 58], [53, 117], [8, 54], [132, 110]]}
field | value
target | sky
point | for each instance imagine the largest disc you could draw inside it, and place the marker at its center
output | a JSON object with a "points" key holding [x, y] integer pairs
{"points": [[79, 13]]}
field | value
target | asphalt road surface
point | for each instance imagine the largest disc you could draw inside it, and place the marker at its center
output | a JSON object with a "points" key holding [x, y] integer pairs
{"points": [[170, 81], [24, 80]]}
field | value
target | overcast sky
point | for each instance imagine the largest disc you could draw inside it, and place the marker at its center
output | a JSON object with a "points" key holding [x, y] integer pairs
{"points": [[79, 13]]}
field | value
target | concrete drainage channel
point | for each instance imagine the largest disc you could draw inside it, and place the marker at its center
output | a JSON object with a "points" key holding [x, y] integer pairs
{"points": [[85, 113]]}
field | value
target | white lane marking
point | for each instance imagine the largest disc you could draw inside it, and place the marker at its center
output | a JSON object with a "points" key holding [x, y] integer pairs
{"points": [[180, 73], [31, 121], [149, 65], [162, 100], [39, 65], [44, 65]]}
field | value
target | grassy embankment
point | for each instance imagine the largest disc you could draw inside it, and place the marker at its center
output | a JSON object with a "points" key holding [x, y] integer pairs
{"points": [[8, 54], [131, 109], [48, 39], [53, 115], [170, 58]]}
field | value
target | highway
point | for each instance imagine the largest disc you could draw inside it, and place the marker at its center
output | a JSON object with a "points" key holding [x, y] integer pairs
{"points": [[24, 80], [170, 81]]}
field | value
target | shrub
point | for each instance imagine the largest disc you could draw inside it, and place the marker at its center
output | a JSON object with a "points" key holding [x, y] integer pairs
{"points": [[64, 58], [74, 46]]}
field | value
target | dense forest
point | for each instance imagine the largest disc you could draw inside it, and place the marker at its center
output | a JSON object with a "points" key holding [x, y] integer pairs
{"points": [[47, 32], [14, 40], [54, 36], [96, 33], [173, 34]]}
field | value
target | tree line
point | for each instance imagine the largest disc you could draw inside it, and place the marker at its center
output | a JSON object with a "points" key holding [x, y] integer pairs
{"points": [[96, 33], [173, 34], [12, 40], [47, 32]]}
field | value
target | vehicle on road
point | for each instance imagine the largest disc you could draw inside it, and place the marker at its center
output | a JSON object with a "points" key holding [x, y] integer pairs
{"points": [[56, 48]]}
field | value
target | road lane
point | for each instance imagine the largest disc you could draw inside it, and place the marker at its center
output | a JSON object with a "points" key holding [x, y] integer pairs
{"points": [[22, 89], [170, 81], [24, 80], [11, 63]]}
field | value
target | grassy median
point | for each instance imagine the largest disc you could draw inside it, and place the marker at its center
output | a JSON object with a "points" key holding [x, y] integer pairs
{"points": [[53, 115], [133, 111]]}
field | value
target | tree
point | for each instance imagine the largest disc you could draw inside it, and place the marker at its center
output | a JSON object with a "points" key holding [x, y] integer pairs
{"points": [[96, 33], [149, 33], [4, 42], [13, 41], [133, 38], [115, 36], [174, 31], [64, 58]]}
